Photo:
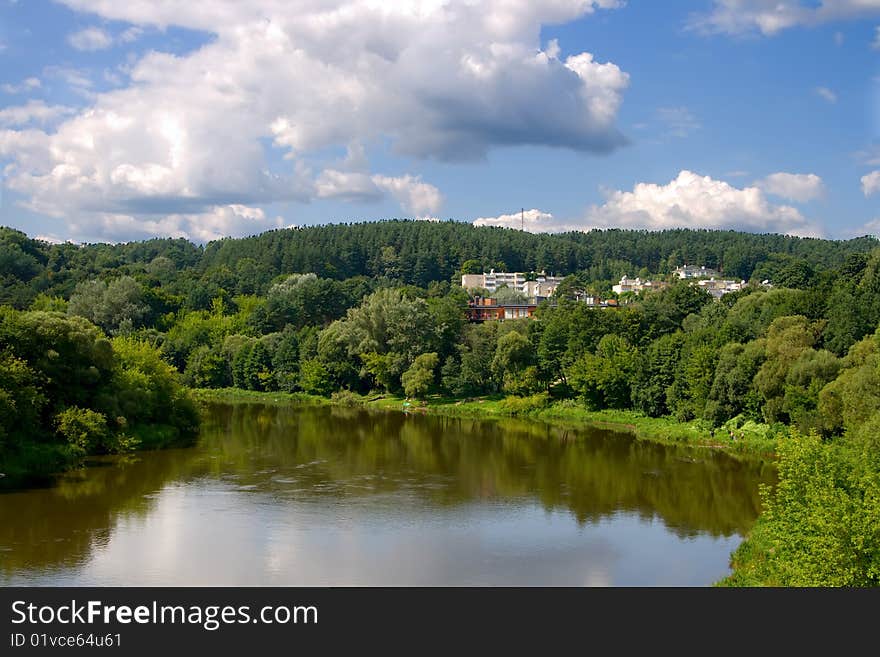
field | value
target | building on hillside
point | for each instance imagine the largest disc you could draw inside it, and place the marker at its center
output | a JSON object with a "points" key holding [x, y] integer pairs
{"points": [[543, 285], [693, 271], [636, 285], [718, 288], [488, 309]]}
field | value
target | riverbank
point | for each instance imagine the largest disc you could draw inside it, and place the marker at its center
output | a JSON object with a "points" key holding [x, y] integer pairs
{"points": [[35, 463], [749, 442]]}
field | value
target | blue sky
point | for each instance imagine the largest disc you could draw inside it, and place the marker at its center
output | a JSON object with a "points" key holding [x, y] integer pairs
{"points": [[122, 121]]}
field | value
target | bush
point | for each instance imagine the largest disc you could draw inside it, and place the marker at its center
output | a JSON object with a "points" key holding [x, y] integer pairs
{"points": [[314, 378], [83, 428], [522, 405]]}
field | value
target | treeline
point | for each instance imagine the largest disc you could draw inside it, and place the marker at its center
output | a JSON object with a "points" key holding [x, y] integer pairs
{"points": [[407, 252], [67, 391]]}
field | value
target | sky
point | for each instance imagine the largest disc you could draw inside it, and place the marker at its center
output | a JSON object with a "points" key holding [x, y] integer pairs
{"points": [[128, 120]]}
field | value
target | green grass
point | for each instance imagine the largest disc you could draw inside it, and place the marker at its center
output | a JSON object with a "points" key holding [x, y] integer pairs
{"points": [[236, 395]]}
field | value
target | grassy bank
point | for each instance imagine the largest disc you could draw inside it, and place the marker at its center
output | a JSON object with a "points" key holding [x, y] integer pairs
{"points": [[751, 441]]}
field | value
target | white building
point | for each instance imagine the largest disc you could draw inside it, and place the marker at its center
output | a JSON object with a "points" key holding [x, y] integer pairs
{"points": [[692, 271], [636, 285], [718, 288], [542, 286]]}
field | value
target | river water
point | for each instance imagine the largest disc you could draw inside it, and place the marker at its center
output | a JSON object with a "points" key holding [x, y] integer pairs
{"points": [[330, 496]]}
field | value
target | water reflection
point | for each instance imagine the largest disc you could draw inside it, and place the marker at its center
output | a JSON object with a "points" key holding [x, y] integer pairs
{"points": [[308, 495]]}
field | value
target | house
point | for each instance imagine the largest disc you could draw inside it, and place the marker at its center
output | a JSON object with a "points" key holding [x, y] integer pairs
{"points": [[488, 309], [693, 271], [542, 286], [636, 285], [718, 288]]}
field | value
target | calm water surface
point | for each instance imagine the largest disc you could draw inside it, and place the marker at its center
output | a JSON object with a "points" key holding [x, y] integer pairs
{"points": [[277, 495]]}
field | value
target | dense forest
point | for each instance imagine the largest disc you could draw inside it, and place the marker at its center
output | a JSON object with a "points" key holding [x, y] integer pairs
{"points": [[91, 336]]}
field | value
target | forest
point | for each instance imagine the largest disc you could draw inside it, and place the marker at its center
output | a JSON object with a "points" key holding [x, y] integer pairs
{"points": [[100, 342]]}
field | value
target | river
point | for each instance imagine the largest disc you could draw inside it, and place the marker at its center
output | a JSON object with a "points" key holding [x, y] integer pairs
{"points": [[332, 496]]}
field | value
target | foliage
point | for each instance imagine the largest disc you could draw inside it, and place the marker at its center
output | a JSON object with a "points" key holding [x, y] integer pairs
{"points": [[418, 379], [67, 391], [820, 526], [117, 307]]}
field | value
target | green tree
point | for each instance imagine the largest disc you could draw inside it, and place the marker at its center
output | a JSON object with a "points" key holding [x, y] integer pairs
{"points": [[418, 379], [117, 307]]}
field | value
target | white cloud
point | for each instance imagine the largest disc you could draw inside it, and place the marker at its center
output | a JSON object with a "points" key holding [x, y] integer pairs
{"points": [[826, 93], [679, 121], [28, 84], [78, 81], [870, 228], [214, 223], [415, 197], [693, 201], [448, 80], [871, 183], [354, 186], [94, 38], [130, 35], [799, 187], [769, 17], [34, 111], [91, 38], [688, 201], [532, 221]]}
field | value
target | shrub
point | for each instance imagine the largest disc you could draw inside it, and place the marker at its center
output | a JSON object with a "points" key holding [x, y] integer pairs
{"points": [[83, 428]]}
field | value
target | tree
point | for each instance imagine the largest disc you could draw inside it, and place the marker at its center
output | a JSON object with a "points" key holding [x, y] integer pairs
{"points": [[733, 391], [787, 339], [314, 378], [654, 373], [603, 379], [513, 354], [206, 367], [117, 307], [819, 524], [420, 375], [850, 400]]}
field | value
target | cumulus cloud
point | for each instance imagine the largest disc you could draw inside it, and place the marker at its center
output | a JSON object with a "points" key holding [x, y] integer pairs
{"points": [[214, 223], [826, 94], [532, 221], [91, 38], [871, 183], [799, 187], [694, 201], [769, 17], [416, 197], [444, 80], [29, 84]]}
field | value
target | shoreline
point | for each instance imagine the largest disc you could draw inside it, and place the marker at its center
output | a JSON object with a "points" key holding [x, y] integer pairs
{"points": [[567, 414]]}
